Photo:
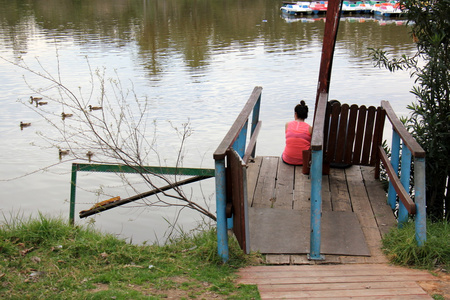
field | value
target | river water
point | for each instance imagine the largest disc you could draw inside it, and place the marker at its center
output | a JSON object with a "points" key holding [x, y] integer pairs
{"points": [[193, 61]]}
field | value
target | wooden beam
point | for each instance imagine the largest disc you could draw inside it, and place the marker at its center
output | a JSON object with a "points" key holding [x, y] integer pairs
{"points": [[319, 123], [252, 143], [402, 194], [329, 42], [87, 213], [235, 129], [407, 138]]}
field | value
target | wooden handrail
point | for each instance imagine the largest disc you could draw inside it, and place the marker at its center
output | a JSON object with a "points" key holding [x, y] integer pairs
{"points": [[401, 192], [252, 143], [319, 122], [237, 126], [407, 138]]}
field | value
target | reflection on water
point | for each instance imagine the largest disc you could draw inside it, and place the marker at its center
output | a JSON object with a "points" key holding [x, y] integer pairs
{"points": [[196, 60]]}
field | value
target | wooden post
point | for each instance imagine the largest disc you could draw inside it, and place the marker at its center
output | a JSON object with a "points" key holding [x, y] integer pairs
{"points": [[404, 178], [323, 86], [239, 147], [395, 158], [73, 189], [316, 205], [329, 42], [420, 199], [221, 202], [255, 120], [239, 144]]}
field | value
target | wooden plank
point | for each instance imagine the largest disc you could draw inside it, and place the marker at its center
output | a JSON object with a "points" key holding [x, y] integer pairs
{"points": [[342, 135], [377, 196], [265, 187], [319, 122], [346, 293], [317, 272], [302, 190], [284, 188], [397, 297], [393, 178], [235, 129], [333, 132], [359, 135], [252, 143], [340, 198], [326, 194], [351, 134], [326, 125], [343, 268], [370, 121], [378, 136], [336, 286], [332, 279], [363, 210], [398, 126], [237, 195], [329, 42], [252, 177]]}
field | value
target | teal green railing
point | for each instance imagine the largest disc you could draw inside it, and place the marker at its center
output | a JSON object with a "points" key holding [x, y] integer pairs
{"points": [[199, 174]]}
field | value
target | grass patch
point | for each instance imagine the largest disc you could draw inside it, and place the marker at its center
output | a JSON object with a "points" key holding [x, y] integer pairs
{"points": [[401, 247], [45, 258]]}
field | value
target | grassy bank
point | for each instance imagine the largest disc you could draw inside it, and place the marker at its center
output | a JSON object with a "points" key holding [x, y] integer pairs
{"points": [[401, 247], [45, 258]]}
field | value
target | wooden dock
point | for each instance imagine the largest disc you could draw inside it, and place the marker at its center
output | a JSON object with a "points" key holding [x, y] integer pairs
{"points": [[354, 213], [345, 281], [279, 208]]}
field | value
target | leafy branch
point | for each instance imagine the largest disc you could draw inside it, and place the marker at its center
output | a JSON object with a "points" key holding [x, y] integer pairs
{"points": [[107, 124]]}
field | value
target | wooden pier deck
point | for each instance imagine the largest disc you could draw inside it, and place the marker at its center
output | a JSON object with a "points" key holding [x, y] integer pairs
{"points": [[354, 213], [345, 281], [354, 218]]}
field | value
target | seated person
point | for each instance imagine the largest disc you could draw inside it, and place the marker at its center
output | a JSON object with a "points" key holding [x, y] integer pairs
{"points": [[298, 136]]}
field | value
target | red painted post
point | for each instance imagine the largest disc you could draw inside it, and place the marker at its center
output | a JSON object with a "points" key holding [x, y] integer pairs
{"points": [[329, 41], [323, 86]]}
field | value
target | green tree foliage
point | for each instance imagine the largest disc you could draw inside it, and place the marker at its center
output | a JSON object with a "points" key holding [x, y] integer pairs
{"points": [[430, 118]]}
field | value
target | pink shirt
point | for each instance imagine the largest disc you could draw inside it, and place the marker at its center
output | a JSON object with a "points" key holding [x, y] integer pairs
{"points": [[298, 139]]}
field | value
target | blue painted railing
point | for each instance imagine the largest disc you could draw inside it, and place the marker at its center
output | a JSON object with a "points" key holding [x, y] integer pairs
{"points": [[397, 186], [316, 177], [236, 139], [326, 63], [406, 147]]}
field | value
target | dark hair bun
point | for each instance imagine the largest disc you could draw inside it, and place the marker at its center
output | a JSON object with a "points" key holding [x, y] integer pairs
{"points": [[301, 110]]}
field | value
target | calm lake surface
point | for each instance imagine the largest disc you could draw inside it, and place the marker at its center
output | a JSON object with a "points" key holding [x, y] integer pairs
{"points": [[195, 61]]}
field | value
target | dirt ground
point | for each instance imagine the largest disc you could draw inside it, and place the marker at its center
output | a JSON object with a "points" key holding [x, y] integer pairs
{"points": [[440, 287]]}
